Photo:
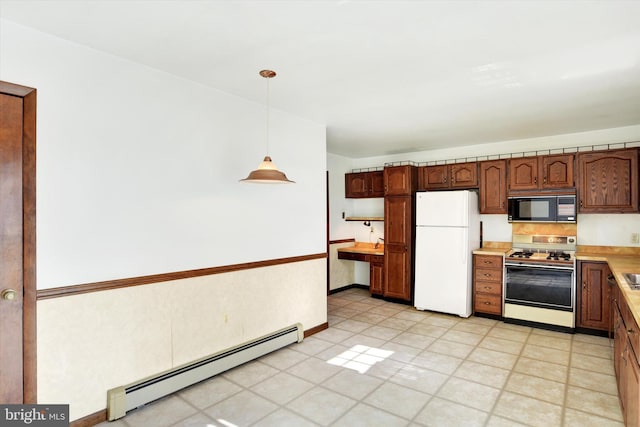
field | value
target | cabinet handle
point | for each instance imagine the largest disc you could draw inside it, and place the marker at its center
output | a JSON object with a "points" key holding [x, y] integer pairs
{"points": [[444, 180], [487, 287], [584, 285], [487, 262], [581, 203], [631, 331], [487, 274], [487, 303], [535, 179], [544, 180]]}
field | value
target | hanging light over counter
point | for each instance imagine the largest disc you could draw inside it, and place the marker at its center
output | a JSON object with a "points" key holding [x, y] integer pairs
{"points": [[267, 172]]}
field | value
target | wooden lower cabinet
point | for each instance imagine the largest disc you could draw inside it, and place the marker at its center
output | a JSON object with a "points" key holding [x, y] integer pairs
{"points": [[594, 294], [625, 361], [376, 274], [487, 284]]}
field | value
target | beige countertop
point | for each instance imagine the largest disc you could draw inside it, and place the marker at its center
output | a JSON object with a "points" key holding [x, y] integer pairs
{"points": [[364, 248]]}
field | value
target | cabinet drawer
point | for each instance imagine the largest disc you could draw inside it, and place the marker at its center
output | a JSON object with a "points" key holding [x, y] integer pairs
{"points": [[493, 288], [491, 304], [376, 259], [486, 274], [633, 332], [488, 261], [353, 256]]}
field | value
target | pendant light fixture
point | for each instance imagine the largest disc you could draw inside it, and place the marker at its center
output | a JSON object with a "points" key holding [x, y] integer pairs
{"points": [[267, 172]]}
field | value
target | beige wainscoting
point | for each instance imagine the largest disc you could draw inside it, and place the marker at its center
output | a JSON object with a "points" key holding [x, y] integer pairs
{"points": [[341, 272], [92, 342]]}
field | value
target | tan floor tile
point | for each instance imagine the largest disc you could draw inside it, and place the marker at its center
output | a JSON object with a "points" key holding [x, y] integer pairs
{"points": [[250, 373], [494, 358], [443, 413], [413, 315], [397, 399], [528, 411], [240, 409], [208, 392], [281, 388], [538, 388], [401, 352], [360, 306], [469, 393], [442, 320], [508, 334], [424, 380], [601, 404], [546, 354], [386, 310], [371, 318], [482, 321], [462, 337], [593, 381], [513, 327], [280, 418], [451, 348], [483, 374], [582, 419], [163, 412], [468, 325], [345, 312], [352, 384], [503, 345], [496, 421], [334, 335], [552, 334], [414, 340], [400, 324], [353, 325], [437, 362], [427, 330], [381, 332], [591, 363], [542, 369], [321, 405], [366, 416], [603, 351], [360, 339], [593, 339], [314, 370], [550, 341]]}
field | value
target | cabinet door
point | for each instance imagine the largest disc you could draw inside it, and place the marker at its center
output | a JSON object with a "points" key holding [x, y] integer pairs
{"points": [[523, 173], [376, 184], [464, 175], [356, 185], [557, 171], [376, 277], [608, 181], [435, 177], [400, 180], [397, 272], [631, 410], [398, 248], [594, 308], [493, 191]]}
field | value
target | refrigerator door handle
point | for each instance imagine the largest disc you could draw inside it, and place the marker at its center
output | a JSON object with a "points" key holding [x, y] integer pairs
{"points": [[463, 245]]}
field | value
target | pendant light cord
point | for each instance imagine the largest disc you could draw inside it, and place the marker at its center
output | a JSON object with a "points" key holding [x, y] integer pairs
{"points": [[268, 116]]}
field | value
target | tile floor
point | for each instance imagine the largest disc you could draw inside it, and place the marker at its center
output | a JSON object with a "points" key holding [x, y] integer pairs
{"points": [[385, 364]]}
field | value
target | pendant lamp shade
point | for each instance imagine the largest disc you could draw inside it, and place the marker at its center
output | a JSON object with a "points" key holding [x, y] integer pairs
{"points": [[267, 172]]}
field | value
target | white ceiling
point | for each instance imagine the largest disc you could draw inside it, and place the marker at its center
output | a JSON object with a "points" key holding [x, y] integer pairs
{"points": [[385, 76]]}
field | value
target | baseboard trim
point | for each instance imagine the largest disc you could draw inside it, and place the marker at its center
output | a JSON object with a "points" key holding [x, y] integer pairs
{"points": [[351, 286]]}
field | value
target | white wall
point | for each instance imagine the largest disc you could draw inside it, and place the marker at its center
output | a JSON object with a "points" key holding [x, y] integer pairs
{"points": [[137, 174], [137, 170]]}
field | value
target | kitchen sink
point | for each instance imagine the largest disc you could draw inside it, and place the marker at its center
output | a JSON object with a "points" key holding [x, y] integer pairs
{"points": [[633, 279]]}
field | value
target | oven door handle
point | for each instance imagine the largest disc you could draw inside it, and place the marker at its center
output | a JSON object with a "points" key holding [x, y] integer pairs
{"points": [[541, 267]]}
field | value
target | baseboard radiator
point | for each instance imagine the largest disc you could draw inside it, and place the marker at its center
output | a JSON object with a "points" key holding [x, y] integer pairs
{"points": [[131, 396]]}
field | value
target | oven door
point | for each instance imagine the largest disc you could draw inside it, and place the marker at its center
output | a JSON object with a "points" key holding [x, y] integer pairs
{"points": [[543, 286]]}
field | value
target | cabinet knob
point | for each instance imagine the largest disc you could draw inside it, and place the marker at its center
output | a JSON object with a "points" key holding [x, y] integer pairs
{"points": [[535, 179], [487, 287], [487, 303], [581, 203], [544, 180], [487, 274]]}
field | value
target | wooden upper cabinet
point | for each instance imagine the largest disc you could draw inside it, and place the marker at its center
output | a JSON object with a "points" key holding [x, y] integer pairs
{"points": [[364, 184], [608, 181], [493, 187], [557, 171], [541, 172], [455, 175], [433, 177], [400, 180], [523, 173]]}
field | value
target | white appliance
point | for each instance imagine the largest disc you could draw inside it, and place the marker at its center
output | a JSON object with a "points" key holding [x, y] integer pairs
{"points": [[447, 231]]}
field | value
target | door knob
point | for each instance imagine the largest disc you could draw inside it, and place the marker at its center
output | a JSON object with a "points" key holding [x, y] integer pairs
{"points": [[8, 294]]}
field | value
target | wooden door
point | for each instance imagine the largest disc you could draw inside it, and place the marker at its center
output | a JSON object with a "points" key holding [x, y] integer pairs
{"points": [[594, 295], [17, 244], [523, 174], [493, 191], [464, 175], [557, 171], [376, 275], [376, 184]]}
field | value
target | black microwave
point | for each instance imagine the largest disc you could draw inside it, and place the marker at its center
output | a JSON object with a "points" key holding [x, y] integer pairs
{"points": [[560, 208]]}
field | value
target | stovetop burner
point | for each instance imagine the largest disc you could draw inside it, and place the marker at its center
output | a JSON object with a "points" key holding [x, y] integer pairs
{"points": [[543, 249]]}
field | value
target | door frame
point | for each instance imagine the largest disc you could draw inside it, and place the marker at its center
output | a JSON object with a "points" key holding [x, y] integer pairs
{"points": [[29, 355]]}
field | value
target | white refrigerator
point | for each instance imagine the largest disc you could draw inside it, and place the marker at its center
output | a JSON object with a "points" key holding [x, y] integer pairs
{"points": [[447, 231]]}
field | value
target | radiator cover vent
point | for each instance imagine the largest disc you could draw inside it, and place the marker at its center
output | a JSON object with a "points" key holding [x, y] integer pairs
{"points": [[122, 399]]}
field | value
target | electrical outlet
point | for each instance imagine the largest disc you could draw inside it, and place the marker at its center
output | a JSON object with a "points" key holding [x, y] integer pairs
{"points": [[635, 237], [371, 230]]}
